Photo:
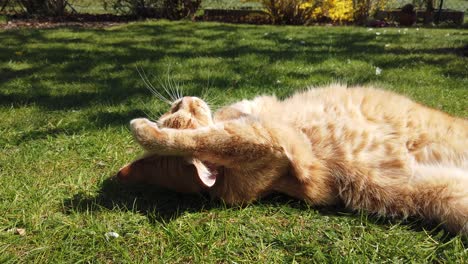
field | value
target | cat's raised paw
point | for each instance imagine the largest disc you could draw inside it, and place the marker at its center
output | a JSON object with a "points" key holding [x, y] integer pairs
{"points": [[143, 130], [139, 123]]}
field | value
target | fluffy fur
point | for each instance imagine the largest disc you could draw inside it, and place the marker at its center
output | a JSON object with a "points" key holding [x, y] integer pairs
{"points": [[371, 149]]}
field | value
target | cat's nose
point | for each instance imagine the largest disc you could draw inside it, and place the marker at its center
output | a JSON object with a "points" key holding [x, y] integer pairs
{"points": [[186, 100], [181, 104]]}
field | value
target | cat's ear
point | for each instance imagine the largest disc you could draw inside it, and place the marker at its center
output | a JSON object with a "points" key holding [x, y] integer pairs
{"points": [[207, 173]]}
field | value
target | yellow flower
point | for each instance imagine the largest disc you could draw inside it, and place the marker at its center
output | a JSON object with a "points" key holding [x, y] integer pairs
{"points": [[305, 5], [317, 13], [340, 10]]}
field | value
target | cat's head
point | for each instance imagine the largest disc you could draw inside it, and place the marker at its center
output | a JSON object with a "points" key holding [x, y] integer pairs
{"points": [[187, 113], [174, 173], [181, 174]]}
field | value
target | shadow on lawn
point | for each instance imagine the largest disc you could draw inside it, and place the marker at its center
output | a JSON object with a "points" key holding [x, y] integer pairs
{"points": [[157, 204], [162, 206], [98, 65]]}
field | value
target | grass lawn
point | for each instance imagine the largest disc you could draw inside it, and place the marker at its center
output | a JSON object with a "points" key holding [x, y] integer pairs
{"points": [[91, 6], [67, 94]]}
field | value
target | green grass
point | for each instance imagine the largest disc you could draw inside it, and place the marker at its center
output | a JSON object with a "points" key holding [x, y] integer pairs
{"points": [[91, 6], [67, 94]]}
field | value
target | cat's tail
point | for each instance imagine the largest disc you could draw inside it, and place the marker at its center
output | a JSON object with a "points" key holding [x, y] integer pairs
{"points": [[441, 194], [427, 194]]}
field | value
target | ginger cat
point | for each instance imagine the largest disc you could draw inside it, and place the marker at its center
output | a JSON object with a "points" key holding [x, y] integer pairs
{"points": [[371, 149]]}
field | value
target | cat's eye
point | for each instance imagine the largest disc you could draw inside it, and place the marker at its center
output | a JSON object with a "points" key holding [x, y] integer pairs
{"points": [[176, 107]]}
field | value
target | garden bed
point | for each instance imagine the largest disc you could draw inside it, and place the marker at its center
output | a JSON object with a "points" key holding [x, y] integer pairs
{"points": [[81, 20], [237, 16], [421, 16]]}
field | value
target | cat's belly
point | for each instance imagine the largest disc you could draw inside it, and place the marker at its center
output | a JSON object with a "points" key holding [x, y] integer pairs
{"points": [[425, 171], [441, 155]]}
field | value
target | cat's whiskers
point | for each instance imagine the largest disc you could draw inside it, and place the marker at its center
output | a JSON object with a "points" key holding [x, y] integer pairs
{"points": [[172, 88], [213, 99], [211, 104], [150, 87], [166, 85], [176, 89], [147, 111], [179, 91], [210, 98]]}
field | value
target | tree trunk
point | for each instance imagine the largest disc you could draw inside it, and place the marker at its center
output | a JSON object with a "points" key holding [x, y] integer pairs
{"points": [[429, 14]]}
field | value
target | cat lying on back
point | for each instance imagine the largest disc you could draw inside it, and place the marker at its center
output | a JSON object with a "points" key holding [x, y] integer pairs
{"points": [[371, 149]]}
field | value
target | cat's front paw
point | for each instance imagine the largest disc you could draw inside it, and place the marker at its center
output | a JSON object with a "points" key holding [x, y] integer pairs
{"points": [[144, 131], [139, 123]]}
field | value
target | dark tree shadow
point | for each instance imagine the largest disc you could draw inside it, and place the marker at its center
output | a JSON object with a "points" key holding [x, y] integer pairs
{"points": [[68, 60]]}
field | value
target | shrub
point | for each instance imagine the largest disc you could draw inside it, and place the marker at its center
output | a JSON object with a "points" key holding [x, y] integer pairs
{"points": [[44, 7], [290, 11], [170, 9], [177, 9], [304, 11], [364, 9], [339, 10]]}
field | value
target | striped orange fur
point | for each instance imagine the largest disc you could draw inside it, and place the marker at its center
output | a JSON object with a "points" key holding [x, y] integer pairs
{"points": [[371, 149]]}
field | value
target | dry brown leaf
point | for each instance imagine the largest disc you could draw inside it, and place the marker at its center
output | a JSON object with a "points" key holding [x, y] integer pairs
{"points": [[20, 231]]}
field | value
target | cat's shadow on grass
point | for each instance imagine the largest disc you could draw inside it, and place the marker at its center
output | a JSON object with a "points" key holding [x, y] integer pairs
{"points": [[157, 204], [162, 206]]}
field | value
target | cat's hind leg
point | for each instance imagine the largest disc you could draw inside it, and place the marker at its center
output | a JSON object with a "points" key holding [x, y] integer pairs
{"points": [[441, 193], [434, 194]]}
